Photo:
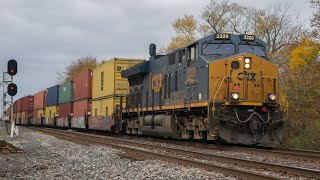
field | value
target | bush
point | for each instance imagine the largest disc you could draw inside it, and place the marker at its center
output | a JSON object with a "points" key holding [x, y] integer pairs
{"points": [[303, 138]]}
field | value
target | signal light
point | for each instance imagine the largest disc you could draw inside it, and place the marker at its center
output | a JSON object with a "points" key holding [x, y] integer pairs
{"points": [[12, 67], [12, 89]]}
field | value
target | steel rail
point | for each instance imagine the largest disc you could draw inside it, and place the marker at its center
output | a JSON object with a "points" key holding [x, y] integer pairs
{"points": [[207, 156], [144, 153]]}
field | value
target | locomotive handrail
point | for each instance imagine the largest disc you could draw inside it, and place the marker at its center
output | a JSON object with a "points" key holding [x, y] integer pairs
{"points": [[220, 85], [214, 87]]}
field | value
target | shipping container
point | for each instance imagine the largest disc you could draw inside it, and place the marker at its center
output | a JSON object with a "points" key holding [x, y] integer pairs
{"points": [[38, 113], [108, 85], [65, 110], [8, 111], [27, 114], [18, 105], [107, 80], [24, 115], [51, 111], [39, 100], [83, 85], [66, 92], [27, 103], [18, 115], [81, 108], [52, 98], [103, 107]]}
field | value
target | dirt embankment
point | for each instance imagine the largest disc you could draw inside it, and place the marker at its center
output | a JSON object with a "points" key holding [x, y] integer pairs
{"points": [[7, 148]]}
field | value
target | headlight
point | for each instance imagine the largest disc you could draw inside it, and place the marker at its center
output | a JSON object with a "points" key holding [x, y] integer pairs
{"points": [[235, 96], [247, 60], [272, 97]]}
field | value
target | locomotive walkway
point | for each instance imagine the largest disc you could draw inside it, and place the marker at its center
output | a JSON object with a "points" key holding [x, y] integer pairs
{"points": [[229, 165]]}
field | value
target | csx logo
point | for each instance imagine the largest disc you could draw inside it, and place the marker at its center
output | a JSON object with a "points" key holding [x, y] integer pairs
{"points": [[248, 75]]}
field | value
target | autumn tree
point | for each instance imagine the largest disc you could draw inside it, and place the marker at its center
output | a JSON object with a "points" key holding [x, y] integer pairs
{"points": [[223, 16], [277, 25], [315, 21], [185, 32], [301, 87], [76, 67]]}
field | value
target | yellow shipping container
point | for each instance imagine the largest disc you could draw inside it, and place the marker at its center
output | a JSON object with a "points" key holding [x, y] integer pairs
{"points": [[103, 107], [18, 115], [23, 115], [40, 113], [108, 85], [51, 111]]}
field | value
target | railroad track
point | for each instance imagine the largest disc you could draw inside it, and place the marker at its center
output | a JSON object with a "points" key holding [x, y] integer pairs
{"points": [[283, 152], [194, 158]]}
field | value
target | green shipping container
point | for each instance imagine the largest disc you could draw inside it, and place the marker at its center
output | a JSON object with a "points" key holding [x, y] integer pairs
{"points": [[66, 92]]}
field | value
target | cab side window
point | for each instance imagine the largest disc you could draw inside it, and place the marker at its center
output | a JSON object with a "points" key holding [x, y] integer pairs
{"points": [[192, 53]]}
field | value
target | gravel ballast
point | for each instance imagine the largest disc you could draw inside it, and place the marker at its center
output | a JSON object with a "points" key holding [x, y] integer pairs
{"points": [[46, 157]]}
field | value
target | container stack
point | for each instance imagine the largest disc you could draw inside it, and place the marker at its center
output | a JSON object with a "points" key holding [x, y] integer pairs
{"points": [[82, 99], [107, 88], [52, 101], [39, 106], [27, 109], [65, 104], [8, 112], [17, 111]]}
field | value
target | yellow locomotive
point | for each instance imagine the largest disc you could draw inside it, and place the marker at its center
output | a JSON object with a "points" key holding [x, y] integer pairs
{"points": [[221, 87]]}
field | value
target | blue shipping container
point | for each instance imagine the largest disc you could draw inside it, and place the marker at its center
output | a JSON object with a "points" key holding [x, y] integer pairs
{"points": [[52, 98]]}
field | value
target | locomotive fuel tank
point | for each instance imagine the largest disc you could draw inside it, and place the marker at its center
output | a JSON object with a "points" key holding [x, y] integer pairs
{"points": [[159, 125]]}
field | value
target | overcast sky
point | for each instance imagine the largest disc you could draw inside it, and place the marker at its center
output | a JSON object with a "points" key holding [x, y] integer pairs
{"points": [[45, 36]]}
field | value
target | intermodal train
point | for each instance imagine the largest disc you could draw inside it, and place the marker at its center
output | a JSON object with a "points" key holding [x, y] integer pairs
{"points": [[222, 88]]}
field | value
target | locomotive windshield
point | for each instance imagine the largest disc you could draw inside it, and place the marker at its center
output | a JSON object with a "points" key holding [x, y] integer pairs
{"points": [[256, 50], [218, 49]]}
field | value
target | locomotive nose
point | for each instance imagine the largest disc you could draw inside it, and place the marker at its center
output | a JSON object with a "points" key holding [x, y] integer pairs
{"points": [[251, 79]]}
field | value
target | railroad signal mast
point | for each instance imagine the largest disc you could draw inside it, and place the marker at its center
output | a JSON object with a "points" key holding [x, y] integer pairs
{"points": [[12, 90]]}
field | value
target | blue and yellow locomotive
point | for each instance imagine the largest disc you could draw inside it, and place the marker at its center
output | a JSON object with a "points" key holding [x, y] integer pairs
{"points": [[221, 87]]}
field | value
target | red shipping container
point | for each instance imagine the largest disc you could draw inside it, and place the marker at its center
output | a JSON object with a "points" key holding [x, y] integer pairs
{"points": [[65, 110], [27, 103], [14, 107], [39, 101], [18, 105], [83, 85], [81, 108]]}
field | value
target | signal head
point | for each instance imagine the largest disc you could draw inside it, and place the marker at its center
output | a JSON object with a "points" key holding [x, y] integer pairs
{"points": [[12, 67], [12, 89]]}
